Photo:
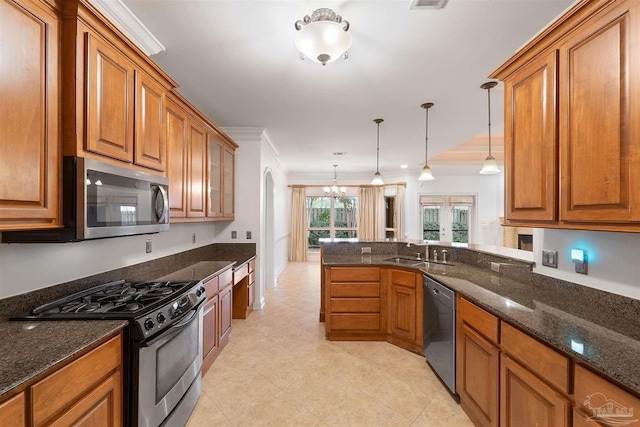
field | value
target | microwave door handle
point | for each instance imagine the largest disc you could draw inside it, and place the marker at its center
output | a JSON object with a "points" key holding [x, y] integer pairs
{"points": [[165, 204]]}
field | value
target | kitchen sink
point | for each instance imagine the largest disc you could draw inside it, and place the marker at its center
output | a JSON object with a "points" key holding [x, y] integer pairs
{"points": [[414, 262]]}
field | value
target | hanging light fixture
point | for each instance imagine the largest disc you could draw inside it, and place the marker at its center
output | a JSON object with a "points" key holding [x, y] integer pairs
{"points": [[489, 166], [377, 178], [335, 191], [426, 174], [323, 37]]}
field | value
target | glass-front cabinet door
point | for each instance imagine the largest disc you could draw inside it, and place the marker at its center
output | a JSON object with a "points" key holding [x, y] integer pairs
{"points": [[228, 184], [214, 205]]}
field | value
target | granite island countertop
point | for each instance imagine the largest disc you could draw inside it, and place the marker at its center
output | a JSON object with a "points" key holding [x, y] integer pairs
{"points": [[570, 320], [29, 348]]}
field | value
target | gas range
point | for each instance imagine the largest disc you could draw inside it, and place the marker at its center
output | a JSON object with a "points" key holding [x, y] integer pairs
{"points": [[150, 306]]}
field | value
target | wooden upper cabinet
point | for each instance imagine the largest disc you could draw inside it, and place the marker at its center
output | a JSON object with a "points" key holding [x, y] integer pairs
{"points": [[177, 159], [197, 170], [215, 158], [150, 137], [599, 108], [29, 116], [228, 185], [110, 100], [531, 166], [572, 141]]}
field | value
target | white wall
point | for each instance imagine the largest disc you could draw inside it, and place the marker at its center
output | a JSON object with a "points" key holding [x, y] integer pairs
{"points": [[27, 267], [613, 258]]}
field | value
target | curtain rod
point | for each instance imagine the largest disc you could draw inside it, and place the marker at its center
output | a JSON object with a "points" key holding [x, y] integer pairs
{"points": [[404, 184]]}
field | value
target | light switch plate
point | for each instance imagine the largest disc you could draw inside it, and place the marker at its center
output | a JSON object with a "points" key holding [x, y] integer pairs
{"points": [[234, 234], [550, 258]]}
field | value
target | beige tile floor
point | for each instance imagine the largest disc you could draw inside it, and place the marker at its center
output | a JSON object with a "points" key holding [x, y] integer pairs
{"points": [[279, 370]]}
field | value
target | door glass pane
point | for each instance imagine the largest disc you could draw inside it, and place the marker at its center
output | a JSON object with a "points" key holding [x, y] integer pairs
{"points": [[318, 212], [315, 236], [460, 224], [431, 222]]}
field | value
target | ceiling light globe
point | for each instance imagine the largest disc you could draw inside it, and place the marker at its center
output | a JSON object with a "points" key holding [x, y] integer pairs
{"points": [[377, 179], [426, 174], [489, 166], [323, 41]]}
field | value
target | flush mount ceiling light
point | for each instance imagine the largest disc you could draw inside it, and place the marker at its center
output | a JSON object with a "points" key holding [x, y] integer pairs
{"points": [[335, 191], [489, 166], [426, 174], [377, 178], [323, 37]]}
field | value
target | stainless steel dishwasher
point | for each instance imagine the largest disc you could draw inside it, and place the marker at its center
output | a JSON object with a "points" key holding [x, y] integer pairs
{"points": [[440, 331]]}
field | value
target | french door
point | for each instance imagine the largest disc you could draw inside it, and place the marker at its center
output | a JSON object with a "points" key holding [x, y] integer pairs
{"points": [[447, 218]]}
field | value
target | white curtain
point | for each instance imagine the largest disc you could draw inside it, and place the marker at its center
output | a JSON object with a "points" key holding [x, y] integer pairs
{"points": [[399, 212], [371, 213], [298, 234]]}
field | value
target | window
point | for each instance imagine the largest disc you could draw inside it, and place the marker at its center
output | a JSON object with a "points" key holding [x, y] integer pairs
{"points": [[447, 218], [390, 218], [331, 218]]}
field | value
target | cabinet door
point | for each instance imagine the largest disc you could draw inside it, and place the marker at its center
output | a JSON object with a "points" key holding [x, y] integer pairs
{"points": [[599, 107], [228, 183], [531, 167], [197, 168], [214, 195], [177, 160], [29, 116], [150, 137], [402, 309], [12, 412], [110, 101], [226, 311], [101, 406], [210, 332], [477, 362], [526, 401]]}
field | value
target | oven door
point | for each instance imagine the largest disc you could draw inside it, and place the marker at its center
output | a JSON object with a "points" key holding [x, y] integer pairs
{"points": [[165, 368]]}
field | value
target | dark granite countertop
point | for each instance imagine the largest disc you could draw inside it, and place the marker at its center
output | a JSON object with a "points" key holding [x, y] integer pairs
{"points": [[571, 319], [199, 271], [30, 348]]}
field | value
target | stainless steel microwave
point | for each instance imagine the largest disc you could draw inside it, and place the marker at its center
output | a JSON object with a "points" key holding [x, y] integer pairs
{"points": [[103, 200]]}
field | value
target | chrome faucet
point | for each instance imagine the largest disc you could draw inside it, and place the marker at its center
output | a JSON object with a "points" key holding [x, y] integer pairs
{"points": [[435, 255]]}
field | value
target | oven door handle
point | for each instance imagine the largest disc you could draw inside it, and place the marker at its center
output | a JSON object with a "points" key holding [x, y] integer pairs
{"points": [[184, 322]]}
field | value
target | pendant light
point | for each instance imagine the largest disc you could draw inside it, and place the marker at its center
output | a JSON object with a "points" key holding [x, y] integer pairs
{"points": [[377, 178], [426, 174], [489, 166]]}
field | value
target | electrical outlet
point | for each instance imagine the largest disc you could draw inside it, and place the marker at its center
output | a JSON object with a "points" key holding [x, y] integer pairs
{"points": [[248, 235], [550, 258], [193, 238], [366, 250], [495, 266], [149, 246], [234, 234]]}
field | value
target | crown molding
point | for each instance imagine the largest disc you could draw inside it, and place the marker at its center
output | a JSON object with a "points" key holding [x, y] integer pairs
{"points": [[125, 20]]}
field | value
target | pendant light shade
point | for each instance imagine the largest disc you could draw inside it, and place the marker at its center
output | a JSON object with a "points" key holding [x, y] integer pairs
{"points": [[489, 166], [426, 174], [377, 178]]}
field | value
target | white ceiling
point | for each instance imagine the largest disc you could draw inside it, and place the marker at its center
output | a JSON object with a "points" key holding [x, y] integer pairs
{"points": [[236, 61]]}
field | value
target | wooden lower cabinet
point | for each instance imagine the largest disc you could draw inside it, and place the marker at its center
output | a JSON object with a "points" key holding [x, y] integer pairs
{"points": [[527, 401], [244, 290], [216, 317], [12, 412], [405, 313]]}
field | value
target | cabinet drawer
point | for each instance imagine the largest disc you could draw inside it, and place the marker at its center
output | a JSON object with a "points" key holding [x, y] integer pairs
{"points": [[74, 380], [550, 365], [240, 274], [355, 305], [355, 289], [212, 286], [404, 278], [602, 391], [355, 322], [478, 319], [252, 278], [252, 265], [225, 278], [12, 412], [351, 274]]}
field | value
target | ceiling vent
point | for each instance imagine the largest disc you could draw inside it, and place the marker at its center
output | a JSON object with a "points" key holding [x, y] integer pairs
{"points": [[427, 4]]}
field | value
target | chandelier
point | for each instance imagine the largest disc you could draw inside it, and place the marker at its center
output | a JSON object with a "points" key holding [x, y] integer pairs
{"points": [[335, 191], [489, 166], [323, 37]]}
